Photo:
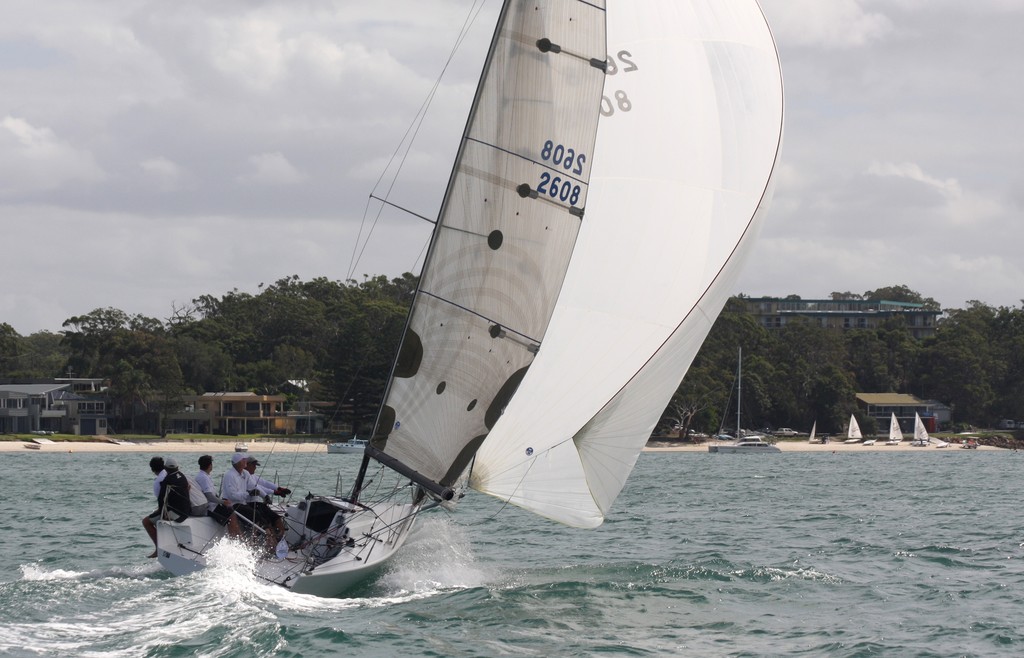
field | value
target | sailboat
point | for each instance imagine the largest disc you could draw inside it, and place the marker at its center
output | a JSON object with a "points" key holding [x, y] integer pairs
{"points": [[811, 438], [895, 433], [554, 317], [921, 437], [743, 443], [853, 434]]}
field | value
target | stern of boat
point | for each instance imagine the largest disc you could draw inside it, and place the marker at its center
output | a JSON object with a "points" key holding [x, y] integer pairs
{"points": [[181, 547]]}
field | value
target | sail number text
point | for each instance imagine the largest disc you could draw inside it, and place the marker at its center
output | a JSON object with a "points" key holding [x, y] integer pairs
{"points": [[620, 62], [561, 157]]}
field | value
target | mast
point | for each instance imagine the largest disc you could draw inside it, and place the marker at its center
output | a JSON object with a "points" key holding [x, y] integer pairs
{"points": [[739, 395]]}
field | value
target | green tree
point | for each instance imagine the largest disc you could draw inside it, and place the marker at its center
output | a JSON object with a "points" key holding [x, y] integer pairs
{"points": [[958, 364], [9, 342], [814, 384], [901, 294]]}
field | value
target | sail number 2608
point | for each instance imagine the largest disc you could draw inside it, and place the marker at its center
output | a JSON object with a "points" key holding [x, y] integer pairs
{"points": [[566, 158]]}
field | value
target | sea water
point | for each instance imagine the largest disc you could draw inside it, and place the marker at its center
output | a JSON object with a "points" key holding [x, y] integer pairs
{"points": [[792, 554]]}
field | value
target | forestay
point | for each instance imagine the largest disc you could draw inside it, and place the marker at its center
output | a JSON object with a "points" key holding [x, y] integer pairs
{"points": [[689, 137], [511, 215]]}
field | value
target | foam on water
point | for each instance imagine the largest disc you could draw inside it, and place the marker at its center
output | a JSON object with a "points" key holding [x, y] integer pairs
{"points": [[437, 557]]}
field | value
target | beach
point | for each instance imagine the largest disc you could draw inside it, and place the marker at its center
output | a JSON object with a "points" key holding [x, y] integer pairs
{"points": [[804, 446], [264, 446], [158, 446]]}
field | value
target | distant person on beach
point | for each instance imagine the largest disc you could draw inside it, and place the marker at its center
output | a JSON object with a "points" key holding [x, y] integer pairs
{"points": [[156, 464]]}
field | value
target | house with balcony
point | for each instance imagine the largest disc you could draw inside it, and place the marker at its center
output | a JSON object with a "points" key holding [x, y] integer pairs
{"points": [[881, 406], [50, 407], [841, 314], [232, 413]]}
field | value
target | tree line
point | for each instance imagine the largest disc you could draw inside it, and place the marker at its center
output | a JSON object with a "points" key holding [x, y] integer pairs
{"points": [[334, 341]]}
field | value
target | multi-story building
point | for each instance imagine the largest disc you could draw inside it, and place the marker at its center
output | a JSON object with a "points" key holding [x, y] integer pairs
{"points": [[26, 408], [233, 413], [841, 314]]}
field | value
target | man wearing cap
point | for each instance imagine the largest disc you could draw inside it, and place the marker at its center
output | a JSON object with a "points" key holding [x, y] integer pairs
{"points": [[266, 487], [239, 487], [235, 486]]}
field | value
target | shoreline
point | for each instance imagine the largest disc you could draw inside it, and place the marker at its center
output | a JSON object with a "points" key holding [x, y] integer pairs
{"points": [[804, 446], [158, 446], [285, 446]]}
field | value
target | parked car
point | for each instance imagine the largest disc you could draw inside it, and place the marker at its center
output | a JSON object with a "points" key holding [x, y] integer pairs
{"points": [[785, 431]]}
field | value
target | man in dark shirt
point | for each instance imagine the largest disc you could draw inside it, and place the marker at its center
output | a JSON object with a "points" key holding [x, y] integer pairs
{"points": [[173, 501]]}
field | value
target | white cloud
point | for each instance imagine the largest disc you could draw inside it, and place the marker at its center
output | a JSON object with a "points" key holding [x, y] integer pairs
{"points": [[165, 174], [949, 188], [167, 128], [34, 159], [271, 169], [830, 24]]}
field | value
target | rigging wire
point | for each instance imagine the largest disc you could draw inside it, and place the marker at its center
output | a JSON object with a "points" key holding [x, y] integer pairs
{"points": [[361, 242]]}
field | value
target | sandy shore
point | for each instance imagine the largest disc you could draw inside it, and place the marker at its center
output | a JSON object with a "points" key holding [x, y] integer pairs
{"points": [[158, 447], [804, 446]]}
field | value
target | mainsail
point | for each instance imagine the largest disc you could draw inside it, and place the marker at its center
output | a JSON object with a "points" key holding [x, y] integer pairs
{"points": [[506, 230], [689, 137], [853, 431], [920, 431], [895, 433]]}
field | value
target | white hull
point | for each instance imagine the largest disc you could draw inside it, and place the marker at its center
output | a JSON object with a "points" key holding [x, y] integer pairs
{"points": [[334, 545], [347, 448], [746, 446]]}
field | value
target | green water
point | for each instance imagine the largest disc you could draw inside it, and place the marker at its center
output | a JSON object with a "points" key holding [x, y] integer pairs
{"points": [[801, 554]]}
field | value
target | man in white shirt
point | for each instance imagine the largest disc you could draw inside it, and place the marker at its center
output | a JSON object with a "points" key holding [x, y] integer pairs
{"points": [[240, 489], [156, 464], [266, 487], [219, 510]]}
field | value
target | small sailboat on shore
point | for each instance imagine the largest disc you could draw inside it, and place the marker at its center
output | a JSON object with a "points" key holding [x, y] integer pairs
{"points": [[895, 433], [853, 434]]}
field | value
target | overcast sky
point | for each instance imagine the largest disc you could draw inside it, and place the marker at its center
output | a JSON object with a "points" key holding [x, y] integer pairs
{"points": [[152, 152]]}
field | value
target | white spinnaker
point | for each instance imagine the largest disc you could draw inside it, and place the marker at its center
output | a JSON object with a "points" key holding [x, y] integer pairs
{"points": [[690, 135]]}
